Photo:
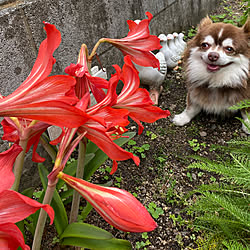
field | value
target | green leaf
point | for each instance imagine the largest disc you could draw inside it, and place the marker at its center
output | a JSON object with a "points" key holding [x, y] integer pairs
{"points": [[28, 192], [89, 236], [87, 209], [91, 147], [101, 157], [61, 219]]}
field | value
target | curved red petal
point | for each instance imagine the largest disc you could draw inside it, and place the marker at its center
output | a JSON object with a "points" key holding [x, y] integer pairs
{"points": [[104, 142], [52, 112], [138, 43], [7, 159], [43, 64], [10, 130], [15, 207], [11, 237]]}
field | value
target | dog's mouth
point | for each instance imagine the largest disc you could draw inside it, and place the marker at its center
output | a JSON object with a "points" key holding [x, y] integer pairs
{"points": [[214, 68]]}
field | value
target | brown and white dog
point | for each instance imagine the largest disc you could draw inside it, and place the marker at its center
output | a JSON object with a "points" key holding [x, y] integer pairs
{"points": [[217, 70]]}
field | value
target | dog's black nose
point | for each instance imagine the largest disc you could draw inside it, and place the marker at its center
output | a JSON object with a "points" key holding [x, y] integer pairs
{"points": [[213, 56]]}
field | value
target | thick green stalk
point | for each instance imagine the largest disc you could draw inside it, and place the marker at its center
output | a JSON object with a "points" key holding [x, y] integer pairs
{"points": [[79, 174], [42, 217], [18, 166], [102, 40]]}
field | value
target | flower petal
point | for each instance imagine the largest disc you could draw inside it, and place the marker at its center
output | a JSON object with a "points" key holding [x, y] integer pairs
{"points": [[7, 159], [104, 142], [118, 207], [43, 64], [15, 207], [11, 237], [53, 112], [139, 43]]}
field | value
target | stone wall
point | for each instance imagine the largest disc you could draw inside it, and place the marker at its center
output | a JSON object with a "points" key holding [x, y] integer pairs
{"points": [[80, 21]]}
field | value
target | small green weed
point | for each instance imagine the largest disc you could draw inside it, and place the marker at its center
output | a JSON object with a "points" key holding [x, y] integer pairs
{"points": [[138, 150], [142, 244], [195, 145], [118, 181], [178, 220], [154, 210], [37, 194], [152, 135], [192, 32]]}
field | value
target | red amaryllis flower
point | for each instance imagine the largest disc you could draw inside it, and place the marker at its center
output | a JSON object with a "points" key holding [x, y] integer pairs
{"points": [[118, 207], [16, 129], [84, 80], [44, 98], [136, 100], [103, 136], [138, 43], [14, 206]]}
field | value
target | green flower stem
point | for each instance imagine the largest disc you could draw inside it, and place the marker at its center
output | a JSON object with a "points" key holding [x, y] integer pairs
{"points": [[42, 217], [49, 149], [93, 52], [18, 166], [79, 174]]}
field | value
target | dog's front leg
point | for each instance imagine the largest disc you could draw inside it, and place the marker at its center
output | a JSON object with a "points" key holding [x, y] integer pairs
{"points": [[188, 114], [244, 115]]}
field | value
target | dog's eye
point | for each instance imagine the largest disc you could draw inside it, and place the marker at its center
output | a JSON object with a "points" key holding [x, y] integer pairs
{"points": [[205, 45], [229, 49]]}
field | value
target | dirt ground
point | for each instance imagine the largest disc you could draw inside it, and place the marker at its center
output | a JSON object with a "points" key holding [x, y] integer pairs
{"points": [[162, 178]]}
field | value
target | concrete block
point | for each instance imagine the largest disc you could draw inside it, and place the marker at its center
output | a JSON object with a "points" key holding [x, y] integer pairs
{"points": [[16, 53]]}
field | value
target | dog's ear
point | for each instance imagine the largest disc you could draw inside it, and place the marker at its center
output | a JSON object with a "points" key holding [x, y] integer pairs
{"points": [[246, 27], [204, 22]]}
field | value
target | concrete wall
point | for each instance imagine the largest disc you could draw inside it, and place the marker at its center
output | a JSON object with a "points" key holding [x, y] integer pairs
{"points": [[80, 21]]}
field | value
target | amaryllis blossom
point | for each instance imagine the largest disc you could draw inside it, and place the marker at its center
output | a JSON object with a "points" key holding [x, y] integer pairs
{"points": [[84, 80], [103, 136], [39, 97], [136, 100], [105, 125], [14, 206], [16, 129], [118, 207], [138, 43]]}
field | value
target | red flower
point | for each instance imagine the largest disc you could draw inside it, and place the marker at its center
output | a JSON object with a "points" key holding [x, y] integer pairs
{"points": [[16, 129], [118, 207], [136, 100], [84, 80], [14, 206], [44, 98], [103, 136], [138, 43]]}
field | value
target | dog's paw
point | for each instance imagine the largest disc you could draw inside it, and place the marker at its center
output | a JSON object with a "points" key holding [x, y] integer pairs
{"points": [[181, 119]]}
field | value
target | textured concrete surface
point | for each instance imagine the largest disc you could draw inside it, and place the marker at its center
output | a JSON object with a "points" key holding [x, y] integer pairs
{"points": [[79, 21]]}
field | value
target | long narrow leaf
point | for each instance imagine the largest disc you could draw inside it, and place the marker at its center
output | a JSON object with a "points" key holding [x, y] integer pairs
{"points": [[89, 236]]}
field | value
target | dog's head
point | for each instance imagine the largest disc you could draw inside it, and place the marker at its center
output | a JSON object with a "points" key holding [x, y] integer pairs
{"points": [[219, 54]]}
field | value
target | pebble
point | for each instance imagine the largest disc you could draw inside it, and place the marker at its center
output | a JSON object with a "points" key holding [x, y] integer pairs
{"points": [[213, 126], [194, 176], [203, 133]]}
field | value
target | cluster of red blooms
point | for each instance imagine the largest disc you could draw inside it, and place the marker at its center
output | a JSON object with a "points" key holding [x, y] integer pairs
{"points": [[64, 101]]}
